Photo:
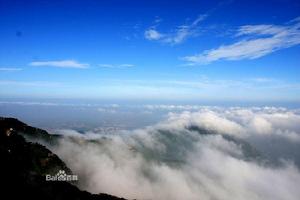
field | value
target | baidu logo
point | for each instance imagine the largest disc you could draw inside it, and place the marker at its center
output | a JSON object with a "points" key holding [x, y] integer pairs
{"points": [[61, 176]]}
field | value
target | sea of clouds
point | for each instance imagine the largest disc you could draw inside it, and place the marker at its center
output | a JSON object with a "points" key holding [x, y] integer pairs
{"points": [[192, 154]]}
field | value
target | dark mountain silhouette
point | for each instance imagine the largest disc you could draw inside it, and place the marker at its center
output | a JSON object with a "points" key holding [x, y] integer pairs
{"points": [[24, 166]]}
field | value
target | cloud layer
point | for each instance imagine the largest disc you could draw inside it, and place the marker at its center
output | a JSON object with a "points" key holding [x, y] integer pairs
{"points": [[172, 161], [242, 122]]}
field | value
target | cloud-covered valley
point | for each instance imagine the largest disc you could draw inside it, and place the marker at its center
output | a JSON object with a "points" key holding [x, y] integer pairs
{"points": [[207, 153]]}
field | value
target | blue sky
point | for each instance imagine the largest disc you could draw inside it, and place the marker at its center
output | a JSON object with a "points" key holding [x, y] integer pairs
{"points": [[151, 50]]}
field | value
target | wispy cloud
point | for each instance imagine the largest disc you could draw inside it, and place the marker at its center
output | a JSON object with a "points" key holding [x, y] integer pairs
{"points": [[114, 66], [60, 63], [29, 83], [256, 41], [177, 36], [10, 69], [152, 34]]}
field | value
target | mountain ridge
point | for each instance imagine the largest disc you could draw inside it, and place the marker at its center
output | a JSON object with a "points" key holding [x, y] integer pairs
{"points": [[25, 164]]}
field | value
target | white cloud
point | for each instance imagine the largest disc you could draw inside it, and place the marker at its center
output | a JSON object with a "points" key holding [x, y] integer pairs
{"points": [[60, 63], [119, 66], [240, 122], [259, 40], [206, 119], [180, 34], [169, 161], [152, 34], [30, 83], [10, 69]]}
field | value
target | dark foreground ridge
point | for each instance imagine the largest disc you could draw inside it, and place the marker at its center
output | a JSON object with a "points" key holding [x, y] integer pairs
{"points": [[23, 167]]}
